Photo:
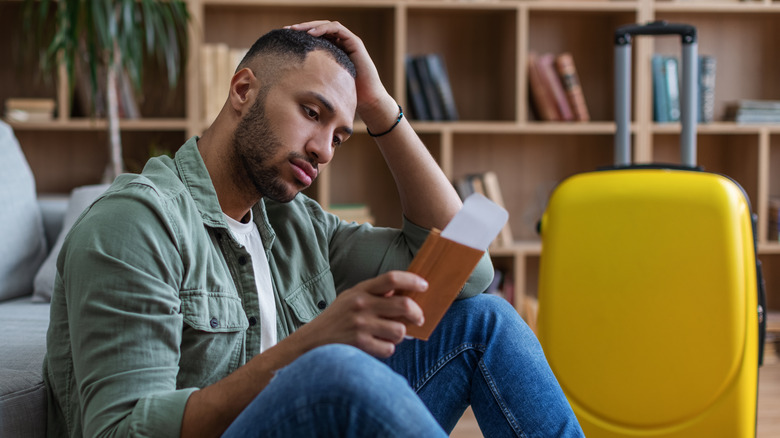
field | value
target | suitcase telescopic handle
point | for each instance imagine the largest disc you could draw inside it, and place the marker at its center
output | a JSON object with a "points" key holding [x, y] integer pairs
{"points": [[688, 90]]}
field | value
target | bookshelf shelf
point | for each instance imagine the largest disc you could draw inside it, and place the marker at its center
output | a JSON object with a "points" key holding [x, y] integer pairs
{"points": [[486, 47], [82, 124]]}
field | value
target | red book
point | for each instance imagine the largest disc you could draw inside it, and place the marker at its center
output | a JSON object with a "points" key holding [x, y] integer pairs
{"points": [[564, 63], [553, 81], [541, 95]]}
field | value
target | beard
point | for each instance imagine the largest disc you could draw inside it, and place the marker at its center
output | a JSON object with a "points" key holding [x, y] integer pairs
{"points": [[254, 147]]}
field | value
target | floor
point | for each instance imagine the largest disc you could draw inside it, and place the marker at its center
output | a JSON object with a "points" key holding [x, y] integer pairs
{"points": [[768, 404]]}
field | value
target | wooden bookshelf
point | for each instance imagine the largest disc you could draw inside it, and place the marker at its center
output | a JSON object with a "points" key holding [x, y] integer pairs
{"points": [[485, 45]]}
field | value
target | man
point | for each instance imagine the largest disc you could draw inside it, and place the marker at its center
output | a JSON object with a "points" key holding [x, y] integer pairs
{"points": [[206, 296]]}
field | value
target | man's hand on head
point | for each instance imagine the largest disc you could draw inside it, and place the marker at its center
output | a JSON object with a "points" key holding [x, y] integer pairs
{"points": [[375, 106]]}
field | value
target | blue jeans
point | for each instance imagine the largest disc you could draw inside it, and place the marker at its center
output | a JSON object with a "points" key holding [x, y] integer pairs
{"points": [[481, 354]]}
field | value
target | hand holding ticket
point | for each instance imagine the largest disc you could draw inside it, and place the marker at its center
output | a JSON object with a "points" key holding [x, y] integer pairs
{"points": [[447, 258]]}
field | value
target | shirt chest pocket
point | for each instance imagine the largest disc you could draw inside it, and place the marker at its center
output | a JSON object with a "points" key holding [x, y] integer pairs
{"points": [[311, 298], [213, 312], [213, 342]]}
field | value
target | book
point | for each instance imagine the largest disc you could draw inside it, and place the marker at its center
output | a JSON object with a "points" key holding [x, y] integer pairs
{"points": [[553, 83], [441, 83], [754, 111], [493, 192], [672, 76], [433, 103], [486, 184], [564, 63], [414, 93], [29, 109], [359, 213], [541, 96], [660, 99], [707, 65], [218, 64]]}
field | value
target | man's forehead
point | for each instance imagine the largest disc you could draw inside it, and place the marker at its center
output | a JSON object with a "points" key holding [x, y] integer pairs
{"points": [[322, 74]]}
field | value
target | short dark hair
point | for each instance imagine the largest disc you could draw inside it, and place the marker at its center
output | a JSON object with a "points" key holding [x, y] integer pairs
{"points": [[294, 45]]}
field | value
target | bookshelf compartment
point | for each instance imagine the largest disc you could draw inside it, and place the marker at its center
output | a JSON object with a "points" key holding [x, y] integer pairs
{"points": [[589, 37], [747, 64], [733, 155], [479, 48], [529, 167], [358, 175], [81, 156], [505, 265], [21, 74], [240, 25]]}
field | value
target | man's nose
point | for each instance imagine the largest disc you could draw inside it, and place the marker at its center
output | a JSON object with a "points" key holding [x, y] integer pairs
{"points": [[320, 147]]}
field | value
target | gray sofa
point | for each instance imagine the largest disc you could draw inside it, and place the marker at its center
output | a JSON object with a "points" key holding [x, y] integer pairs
{"points": [[32, 234]]}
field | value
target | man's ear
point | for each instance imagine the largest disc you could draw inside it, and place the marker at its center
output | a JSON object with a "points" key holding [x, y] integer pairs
{"points": [[243, 90]]}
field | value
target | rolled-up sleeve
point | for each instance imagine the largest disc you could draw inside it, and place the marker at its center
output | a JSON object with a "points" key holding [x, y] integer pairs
{"points": [[124, 320]]}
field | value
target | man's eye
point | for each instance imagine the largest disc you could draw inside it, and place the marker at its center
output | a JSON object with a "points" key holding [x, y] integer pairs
{"points": [[311, 113]]}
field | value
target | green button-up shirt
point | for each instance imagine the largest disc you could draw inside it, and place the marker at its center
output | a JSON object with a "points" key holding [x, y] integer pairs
{"points": [[153, 296]]}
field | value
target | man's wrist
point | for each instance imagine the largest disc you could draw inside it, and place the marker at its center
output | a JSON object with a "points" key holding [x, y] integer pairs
{"points": [[381, 116], [387, 131]]}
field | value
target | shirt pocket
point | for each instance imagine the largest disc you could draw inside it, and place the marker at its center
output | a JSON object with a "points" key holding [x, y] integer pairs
{"points": [[312, 297], [214, 338], [214, 312]]}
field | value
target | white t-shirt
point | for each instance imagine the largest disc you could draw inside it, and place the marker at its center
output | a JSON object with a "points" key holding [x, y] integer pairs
{"points": [[248, 235]]}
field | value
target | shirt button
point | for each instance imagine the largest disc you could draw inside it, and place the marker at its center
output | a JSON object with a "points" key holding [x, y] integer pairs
{"points": [[252, 320], [242, 260], [214, 323], [322, 305]]}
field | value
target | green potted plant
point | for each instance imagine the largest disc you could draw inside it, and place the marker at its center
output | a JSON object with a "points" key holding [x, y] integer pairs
{"points": [[113, 36]]}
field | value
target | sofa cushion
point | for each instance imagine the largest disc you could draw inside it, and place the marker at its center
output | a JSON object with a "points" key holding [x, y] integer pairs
{"points": [[22, 244], [80, 199], [22, 404], [23, 346]]}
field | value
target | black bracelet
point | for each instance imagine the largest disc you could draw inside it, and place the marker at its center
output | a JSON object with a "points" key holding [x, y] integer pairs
{"points": [[397, 121]]}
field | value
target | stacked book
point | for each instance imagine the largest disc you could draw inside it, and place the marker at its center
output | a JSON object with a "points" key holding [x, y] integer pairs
{"points": [[556, 92], [486, 184], [666, 88], [428, 88], [29, 109], [755, 111], [218, 64], [359, 213]]}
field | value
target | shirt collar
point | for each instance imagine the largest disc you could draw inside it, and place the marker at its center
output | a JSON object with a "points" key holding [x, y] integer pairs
{"points": [[196, 178]]}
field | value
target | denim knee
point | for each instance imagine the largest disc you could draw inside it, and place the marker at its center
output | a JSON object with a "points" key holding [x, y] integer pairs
{"points": [[344, 370]]}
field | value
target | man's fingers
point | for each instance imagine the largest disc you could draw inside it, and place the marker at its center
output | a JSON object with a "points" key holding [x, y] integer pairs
{"points": [[394, 281]]}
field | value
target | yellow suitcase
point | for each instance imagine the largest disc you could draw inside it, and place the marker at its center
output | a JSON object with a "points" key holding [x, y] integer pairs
{"points": [[649, 296]]}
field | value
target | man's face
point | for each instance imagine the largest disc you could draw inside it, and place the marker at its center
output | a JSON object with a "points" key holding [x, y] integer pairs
{"points": [[294, 126]]}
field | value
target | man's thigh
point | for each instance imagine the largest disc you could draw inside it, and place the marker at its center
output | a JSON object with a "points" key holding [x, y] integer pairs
{"points": [[337, 391]]}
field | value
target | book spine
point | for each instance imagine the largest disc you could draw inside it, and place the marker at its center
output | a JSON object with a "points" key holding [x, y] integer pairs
{"points": [[428, 88], [206, 80], [707, 66], [493, 192], [542, 97], [414, 92], [571, 85], [660, 101], [673, 88], [553, 82], [441, 83]]}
